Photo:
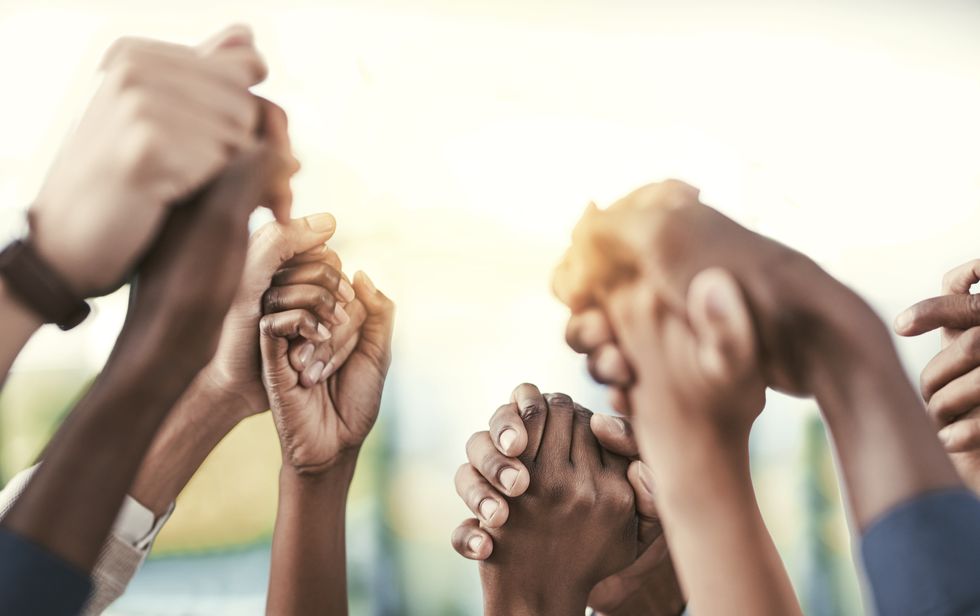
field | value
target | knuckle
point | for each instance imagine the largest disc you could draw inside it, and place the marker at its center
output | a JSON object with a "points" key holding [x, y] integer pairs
{"points": [[969, 341], [272, 300], [474, 441], [973, 303], [619, 500], [531, 411], [560, 399]]}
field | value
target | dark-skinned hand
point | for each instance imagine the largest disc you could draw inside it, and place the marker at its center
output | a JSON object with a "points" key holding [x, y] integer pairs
{"points": [[575, 524], [323, 411], [494, 473]]}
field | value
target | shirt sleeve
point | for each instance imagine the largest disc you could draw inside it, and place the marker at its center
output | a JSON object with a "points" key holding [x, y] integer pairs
{"points": [[923, 556], [34, 581], [123, 552]]}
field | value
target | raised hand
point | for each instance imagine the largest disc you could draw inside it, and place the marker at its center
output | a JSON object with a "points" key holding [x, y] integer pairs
{"points": [[165, 119], [323, 411], [494, 473], [950, 383], [574, 526]]}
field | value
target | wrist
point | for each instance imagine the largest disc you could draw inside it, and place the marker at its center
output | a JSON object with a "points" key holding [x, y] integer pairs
{"points": [[503, 596], [338, 472]]}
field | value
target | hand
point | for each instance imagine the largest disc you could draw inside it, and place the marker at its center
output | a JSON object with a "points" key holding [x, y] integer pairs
{"points": [[563, 535], [661, 236], [186, 284], [949, 383], [321, 424], [647, 586], [165, 119], [298, 246]]}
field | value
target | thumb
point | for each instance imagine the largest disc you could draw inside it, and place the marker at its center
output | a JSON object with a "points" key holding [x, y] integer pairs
{"points": [[379, 324], [722, 325], [275, 243], [235, 35], [641, 478], [614, 434], [275, 332]]}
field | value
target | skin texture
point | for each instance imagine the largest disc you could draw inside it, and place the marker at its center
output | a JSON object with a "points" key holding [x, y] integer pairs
{"points": [[230, 387], [184, 289], [647, 586], [950, 383], [688, 316], [165, 119], [575, 525], [321, 429]]}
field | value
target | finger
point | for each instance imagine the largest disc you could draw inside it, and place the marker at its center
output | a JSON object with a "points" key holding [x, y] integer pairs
{"points": [[958, 280], [335, 351], [241, 65], [955, 360], [318, 273], [275, 243], [275, 131], [230, 36], [375, 337], [309, 296], [588, 330], [957, 398], [615, 434], [292, 324], [608, 366], [472, 542], [584, 446], [963, 434], [619, 401], [508, 475], [533, 411], [720, 319], [318, 253], [481, 497], [954, 311], [507, 430], [641, 478], [556, 443]]}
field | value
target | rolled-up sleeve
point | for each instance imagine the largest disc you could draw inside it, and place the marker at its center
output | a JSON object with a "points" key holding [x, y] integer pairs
{"points": [[923, 557]]}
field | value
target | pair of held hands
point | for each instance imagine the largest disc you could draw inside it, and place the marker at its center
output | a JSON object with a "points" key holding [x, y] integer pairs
{"points": [[169, 121]]}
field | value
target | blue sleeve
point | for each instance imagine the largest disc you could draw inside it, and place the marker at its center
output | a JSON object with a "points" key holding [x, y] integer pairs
{"points": [[923, 556], [34, 581]]}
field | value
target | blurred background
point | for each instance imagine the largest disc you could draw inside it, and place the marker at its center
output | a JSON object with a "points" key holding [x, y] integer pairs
{"points": [[457, 143]]}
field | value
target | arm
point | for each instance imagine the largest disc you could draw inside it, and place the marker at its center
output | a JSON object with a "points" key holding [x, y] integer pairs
{"points": [[20, 323], [185, 286], [321, 423]]}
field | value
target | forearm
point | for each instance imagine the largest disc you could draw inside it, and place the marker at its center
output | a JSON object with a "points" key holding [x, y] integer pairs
{"points": [[724, 555], [309, 558], [90, 463], [886, 444], [19, 324], [199, 421]]}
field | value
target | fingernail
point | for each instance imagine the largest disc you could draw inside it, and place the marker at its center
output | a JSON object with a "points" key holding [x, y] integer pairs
{"points": [[323, 332], [487, 508], [346, 291], [646, 477], [719, 301], [474, 543], [321, 223], [314, 371], [340, 314], [507, 438], [305, 354], [945, 435], [508, 477], [367, 282], [902, 321], [615, 423]]}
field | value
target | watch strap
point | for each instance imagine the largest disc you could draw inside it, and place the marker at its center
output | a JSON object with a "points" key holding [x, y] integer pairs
{"points": [[39, 287]]}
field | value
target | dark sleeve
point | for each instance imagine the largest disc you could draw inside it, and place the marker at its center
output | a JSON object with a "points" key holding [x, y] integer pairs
{"points": [[34, 581], [923, 556]]}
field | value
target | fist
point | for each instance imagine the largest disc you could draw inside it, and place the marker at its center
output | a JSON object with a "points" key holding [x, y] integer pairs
{"points": [[165, 119]]}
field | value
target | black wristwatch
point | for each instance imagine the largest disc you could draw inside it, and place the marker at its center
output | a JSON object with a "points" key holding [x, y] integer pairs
{"points": [[39, 287]]}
